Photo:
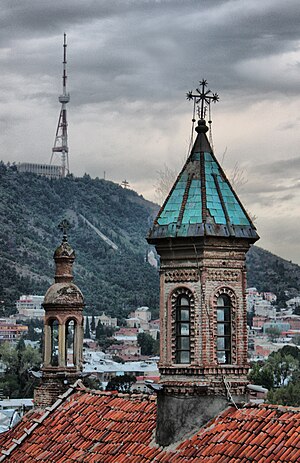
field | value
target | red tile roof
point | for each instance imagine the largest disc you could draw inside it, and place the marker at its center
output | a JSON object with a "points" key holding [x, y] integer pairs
{"points": [[92, 426]]}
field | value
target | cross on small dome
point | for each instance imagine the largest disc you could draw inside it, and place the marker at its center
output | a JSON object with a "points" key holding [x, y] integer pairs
{"points": [[64, 226]]}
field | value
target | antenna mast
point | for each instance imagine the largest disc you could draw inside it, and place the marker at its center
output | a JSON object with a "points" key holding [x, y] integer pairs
{"points": [[61, 136]]}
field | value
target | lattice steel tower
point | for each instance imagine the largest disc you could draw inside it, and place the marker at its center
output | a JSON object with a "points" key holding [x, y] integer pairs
{"points": [[61, 136]]}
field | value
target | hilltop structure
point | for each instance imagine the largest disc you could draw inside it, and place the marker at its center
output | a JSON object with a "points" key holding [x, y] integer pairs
{"points": [[61, 135], [44, 170], [51, 170]]}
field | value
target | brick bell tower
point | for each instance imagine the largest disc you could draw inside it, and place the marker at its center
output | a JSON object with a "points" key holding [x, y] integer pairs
{"points": [[63, 328], [202, 234]]}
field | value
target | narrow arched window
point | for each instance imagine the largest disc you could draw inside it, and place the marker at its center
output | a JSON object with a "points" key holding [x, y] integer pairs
{"points": [[70, 343], [183, 354], [54, 343], [224, 329]]}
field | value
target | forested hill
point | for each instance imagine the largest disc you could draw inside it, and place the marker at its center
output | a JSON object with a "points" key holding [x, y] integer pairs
{"points": [[269, 272], [114, 280], [31, 209]]}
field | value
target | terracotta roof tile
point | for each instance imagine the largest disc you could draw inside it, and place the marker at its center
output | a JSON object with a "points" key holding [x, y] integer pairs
{"points": [[93, 426]]}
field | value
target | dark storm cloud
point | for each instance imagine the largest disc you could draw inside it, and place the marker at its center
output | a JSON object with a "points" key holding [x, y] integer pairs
{"points": [[150, 50], [130, 63]]}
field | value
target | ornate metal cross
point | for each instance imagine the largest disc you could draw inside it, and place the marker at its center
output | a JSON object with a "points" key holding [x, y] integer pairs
{"points": [[64, 226], [203, 96]]}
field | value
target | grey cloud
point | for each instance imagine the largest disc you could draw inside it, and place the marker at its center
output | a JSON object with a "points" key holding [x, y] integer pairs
{"points": [[154, 49], [285, 167], [130, 63]]}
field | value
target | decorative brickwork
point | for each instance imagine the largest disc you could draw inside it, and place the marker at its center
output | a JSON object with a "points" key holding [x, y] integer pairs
{"points": [[202, 234], [187, 387], [223, 275], [182, 275]]}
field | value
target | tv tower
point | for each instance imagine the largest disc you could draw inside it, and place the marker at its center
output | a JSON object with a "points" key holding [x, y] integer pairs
{"points": [[61, 136]]}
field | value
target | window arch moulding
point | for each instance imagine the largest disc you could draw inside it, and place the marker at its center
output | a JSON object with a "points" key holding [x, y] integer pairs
{"points": [[183, 326], [225, 308]]}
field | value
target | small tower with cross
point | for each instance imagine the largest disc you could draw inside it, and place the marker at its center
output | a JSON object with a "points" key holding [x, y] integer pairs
{"points": [[202, 234], [63, 327]]}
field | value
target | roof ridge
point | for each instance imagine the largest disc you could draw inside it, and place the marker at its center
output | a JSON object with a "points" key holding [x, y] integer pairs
{"points": [[272, 406], [131, 396], [38, 421], [279, 407]]}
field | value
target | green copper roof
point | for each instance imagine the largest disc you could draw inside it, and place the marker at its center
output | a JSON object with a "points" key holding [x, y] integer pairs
{"points": [[202, 201]]}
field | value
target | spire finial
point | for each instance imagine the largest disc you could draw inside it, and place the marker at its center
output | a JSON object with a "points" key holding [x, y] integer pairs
{"points": [[204, 97], [64, 226]]}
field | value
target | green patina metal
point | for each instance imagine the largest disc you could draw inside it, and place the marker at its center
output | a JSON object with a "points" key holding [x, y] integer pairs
{"points": [[170, 213], [235, 213], [193, 207], [202, 187]]}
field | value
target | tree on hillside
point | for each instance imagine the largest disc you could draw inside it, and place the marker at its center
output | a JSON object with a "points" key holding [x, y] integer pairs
{"points": [[102, 330], [104, 336], [277, 370], [289, 350], [287, 395], [93, 323], [280, 374], [296, 339], [87, 333], [283, 367], [262, 374], [121, 383], [147, 344], [32, 334], [17, 363], [273, 333]]}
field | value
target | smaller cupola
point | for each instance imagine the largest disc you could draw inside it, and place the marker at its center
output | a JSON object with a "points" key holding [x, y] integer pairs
{"points": [[63, 327]]}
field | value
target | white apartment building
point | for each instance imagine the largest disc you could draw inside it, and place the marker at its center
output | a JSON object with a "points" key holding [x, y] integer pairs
{"points": [[30, 306]]}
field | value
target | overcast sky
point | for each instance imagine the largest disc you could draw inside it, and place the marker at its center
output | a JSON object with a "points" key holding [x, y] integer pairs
{"points": [[130, 63]]}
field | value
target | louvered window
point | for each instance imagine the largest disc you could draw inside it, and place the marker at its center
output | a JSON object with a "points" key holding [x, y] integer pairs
{"points": [[183, 354], [224, 329]]}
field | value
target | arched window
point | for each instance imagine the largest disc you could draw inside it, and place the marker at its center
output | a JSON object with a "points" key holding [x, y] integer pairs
{"points": [[224, 329], [54, 343], [183, 318], [70, 343]]}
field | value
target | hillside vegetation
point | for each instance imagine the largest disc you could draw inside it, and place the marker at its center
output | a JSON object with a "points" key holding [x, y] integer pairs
{"points": [[111, 280], [269, 272]]}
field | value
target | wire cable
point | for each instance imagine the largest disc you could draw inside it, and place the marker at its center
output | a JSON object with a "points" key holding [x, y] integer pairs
{"points": [[210, 329], [192, 131]]}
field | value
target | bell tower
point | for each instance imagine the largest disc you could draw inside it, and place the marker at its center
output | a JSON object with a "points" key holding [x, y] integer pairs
{"points": [[202, 234], [63, 328]]}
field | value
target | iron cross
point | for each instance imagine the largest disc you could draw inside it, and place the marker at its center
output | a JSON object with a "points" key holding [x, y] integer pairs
{"points": [[203, 96], [64, 226]]}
